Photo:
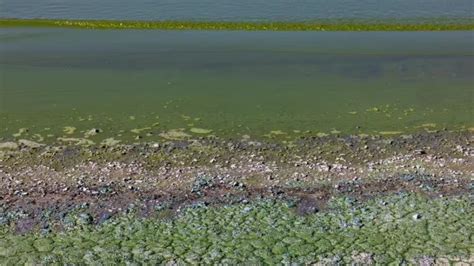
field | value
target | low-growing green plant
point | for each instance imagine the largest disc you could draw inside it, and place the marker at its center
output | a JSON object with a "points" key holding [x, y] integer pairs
{"points": [[248, 26]]}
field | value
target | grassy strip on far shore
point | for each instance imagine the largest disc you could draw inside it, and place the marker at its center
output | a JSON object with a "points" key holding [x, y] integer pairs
{"points": [[249, 26]]}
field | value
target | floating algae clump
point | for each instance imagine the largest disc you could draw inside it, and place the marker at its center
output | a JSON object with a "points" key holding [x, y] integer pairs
{"points": [[174, 134], [390, 132], [110, 142], [428, 125], [380, 231], [277, 132], [78, 141], [92, 132], [20, 132], [200, 130], [69, 130], [140, 130]]}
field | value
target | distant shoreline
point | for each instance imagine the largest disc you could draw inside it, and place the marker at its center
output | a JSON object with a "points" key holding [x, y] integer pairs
{"points": [[246, 26]]}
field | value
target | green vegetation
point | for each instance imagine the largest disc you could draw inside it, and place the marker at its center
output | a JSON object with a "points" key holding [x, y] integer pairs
{"points": [[385, 230], [250, 26]]}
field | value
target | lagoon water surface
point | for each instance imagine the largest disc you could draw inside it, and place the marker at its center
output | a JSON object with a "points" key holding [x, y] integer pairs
{"points": [[259, 84], [240, 10]]}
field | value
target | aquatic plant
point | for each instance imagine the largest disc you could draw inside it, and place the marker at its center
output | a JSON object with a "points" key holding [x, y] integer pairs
{"points": [[248, 26]]}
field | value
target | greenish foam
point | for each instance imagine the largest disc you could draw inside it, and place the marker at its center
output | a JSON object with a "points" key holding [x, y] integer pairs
{"points": [[248, 26]]}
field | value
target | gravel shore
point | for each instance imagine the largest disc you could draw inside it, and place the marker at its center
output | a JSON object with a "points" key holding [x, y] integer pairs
{"points": [[49, 190]]}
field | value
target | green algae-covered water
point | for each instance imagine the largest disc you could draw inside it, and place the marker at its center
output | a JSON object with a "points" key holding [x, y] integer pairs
{"points": [[61, 83]]}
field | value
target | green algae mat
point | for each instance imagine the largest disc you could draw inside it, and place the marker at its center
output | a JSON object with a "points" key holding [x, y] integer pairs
{"points": [[394, 230], [247, 26]]}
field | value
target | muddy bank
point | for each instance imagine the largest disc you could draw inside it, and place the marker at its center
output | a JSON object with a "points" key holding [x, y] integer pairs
{"points": [[104, 181]]}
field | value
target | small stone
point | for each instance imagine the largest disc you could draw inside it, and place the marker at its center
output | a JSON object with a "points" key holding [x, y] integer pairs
{"points": [[416, 217], [3, 220], [201, 183], [407, 177], [104, 217], [85, 219], [420, 152], [362, 258], [247, 209], [424, 261]]}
